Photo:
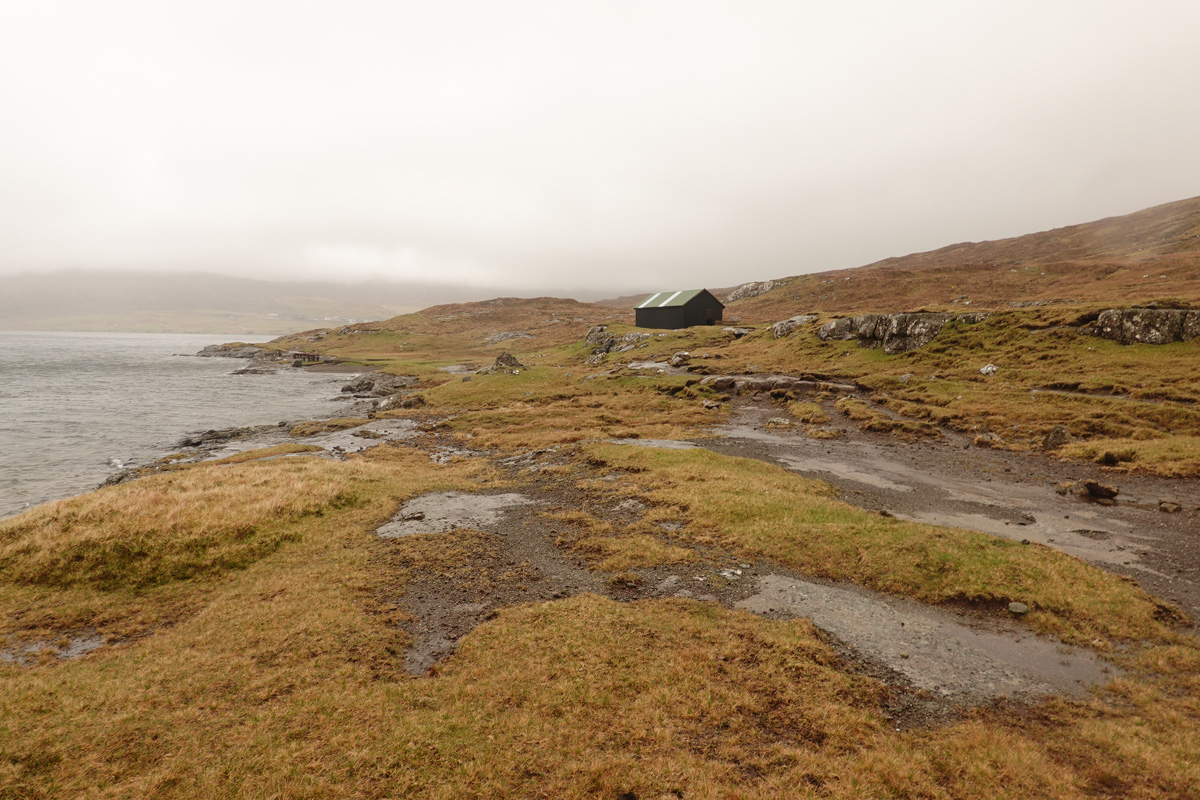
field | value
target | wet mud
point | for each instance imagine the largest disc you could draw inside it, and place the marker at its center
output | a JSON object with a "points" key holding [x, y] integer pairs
{"points": [[935, 651], [1013, 495]]}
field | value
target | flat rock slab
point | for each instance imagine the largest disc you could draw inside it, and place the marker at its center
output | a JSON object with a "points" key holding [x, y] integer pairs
{"points": [[445, 511], [666, 444], [932, 649]]}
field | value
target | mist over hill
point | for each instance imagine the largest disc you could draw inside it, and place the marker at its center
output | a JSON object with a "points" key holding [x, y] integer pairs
{"points": [[206, 302]]}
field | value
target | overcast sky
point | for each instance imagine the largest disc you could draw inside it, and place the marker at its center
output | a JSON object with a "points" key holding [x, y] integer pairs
{"points": [[566, 146]]}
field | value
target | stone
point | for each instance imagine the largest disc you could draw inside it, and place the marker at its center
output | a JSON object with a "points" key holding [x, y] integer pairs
{"points": [[507, 363], [380, 384], [786, 327], [504, 336], [737, 332], [1020, 609], [1148, 325], [837, 330], [680, 358], [400, 401], [1056, 438], [898, 333], [1169, 507], [748, 290], [237, 350], [599, 339], [988, 369], [974, 318], [1092, 490]]}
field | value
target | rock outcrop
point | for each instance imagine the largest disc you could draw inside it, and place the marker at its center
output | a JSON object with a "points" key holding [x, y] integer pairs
{"points": [[895, 333], [748, 290], [1148, 325], [836, 330], [379, 384], [505, 336], [898, 333], [400, 401], [237, 350], [505, 363], [786, 327]]}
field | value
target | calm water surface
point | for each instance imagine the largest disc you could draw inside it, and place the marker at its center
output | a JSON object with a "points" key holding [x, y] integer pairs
{"points": [[75, 407]]}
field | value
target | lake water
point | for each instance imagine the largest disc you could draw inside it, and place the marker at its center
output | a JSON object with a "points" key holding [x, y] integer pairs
{"points": [[74, 406]]}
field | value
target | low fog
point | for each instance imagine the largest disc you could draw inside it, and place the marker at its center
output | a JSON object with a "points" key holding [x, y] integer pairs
{"points": [[594, 149]]}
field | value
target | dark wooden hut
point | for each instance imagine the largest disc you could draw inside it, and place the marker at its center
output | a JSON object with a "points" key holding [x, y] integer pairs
{"points": [[679, 309]]}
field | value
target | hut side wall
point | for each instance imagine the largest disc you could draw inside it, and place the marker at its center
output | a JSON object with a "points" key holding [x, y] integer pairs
{"points": [[669, 318]]}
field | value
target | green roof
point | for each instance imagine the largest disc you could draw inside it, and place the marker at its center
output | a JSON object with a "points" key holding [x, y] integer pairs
{"points": [[669, 299]]}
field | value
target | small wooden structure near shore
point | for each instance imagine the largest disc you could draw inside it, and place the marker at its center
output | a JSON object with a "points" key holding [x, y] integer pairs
{"points": [[683, 309]]}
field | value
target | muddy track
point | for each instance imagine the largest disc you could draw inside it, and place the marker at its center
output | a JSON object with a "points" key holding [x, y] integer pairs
{"points": [[936, 661], [1014, 495]]}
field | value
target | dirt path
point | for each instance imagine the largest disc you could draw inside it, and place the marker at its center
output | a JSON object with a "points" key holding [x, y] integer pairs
{"points": [[951, 483], [936, 660]]}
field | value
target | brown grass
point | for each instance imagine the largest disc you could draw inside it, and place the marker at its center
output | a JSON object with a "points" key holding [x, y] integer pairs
{"points": [[327, 426]]}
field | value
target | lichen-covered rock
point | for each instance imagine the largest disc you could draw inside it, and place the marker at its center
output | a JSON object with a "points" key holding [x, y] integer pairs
{"points": [[748, 290], [400, 401], [898, 333], [785, 327], [380, 384], [1056, 438], [838, 329], [973, 318], [737, 332], [504, 336], [237, 350], [506, 363], [680, 358], [599, 339], [1148, 325]]}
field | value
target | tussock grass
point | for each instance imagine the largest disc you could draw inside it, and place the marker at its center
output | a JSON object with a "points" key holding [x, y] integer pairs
{"points": [[1170, 456], [129, 558], [806, 412], [762, 511], [617, 553], [168, 527], [284, 679]]}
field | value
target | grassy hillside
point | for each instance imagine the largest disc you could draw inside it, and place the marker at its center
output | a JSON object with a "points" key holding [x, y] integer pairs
{"points": [[1153, 254], [252, 631]]}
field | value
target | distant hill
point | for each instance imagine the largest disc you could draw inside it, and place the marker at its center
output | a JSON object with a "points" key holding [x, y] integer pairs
{"points": [[204, 302], [1149, 255]]}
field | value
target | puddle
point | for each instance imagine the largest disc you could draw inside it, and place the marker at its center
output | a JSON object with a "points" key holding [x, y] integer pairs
{"points": [[666, 444], [459, 369], [445, 511], [931, 648], [520, 564], [65, 648]]}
